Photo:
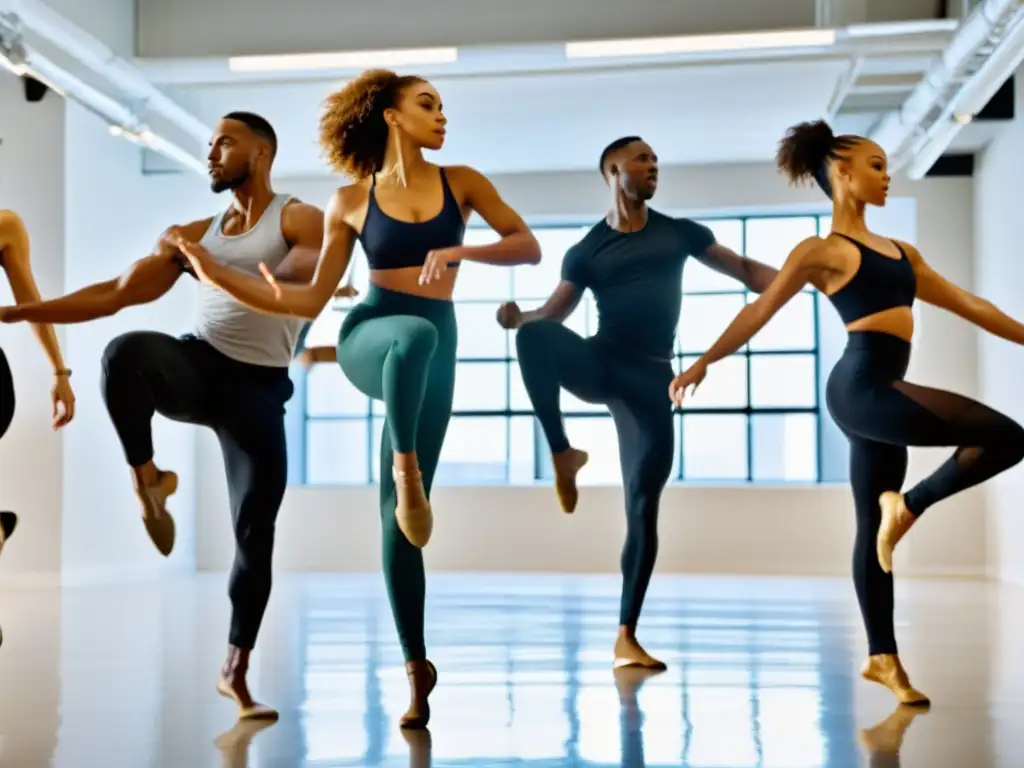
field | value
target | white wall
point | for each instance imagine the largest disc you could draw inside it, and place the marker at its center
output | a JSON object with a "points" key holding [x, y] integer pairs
{"points": [[31, 459], [744, 529], [999, 264]]}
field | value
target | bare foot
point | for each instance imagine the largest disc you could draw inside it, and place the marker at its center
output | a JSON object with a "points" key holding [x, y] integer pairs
{"points": [[629, 653], [152, 489], [567, 465], [8, 522], [422, 679], [886, 738], [896, 521], [886, 669]]}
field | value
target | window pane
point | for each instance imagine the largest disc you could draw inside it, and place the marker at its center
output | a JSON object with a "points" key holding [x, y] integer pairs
{"points": [[336, 452], [480, 387], [480, 236], [792, 327], [524, 440], [724, 387], [771, 240], [330, 393], [783, 381], [786, 447], [703, 319], [479, 332], [475, 450], [697, 277], [377, 435], [483, 281], [536, 282], [714, 447]]}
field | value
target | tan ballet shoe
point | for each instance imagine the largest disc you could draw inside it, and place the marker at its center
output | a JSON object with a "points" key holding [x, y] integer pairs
{"points": [[422, 681], [255, 712], [158, 521], [567, 465], [886, 669], [896, 521], [629, 653], [413, 513]]}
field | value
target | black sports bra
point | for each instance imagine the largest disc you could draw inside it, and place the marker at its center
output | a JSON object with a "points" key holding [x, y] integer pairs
{"points": [[390, 243], [881, 283]]}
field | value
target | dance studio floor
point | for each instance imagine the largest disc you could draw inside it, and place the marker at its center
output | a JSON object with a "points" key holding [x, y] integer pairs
{"points": [[762, 673]]}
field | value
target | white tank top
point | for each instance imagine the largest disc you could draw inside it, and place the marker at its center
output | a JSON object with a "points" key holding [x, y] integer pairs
{"points": [[229, 326]]}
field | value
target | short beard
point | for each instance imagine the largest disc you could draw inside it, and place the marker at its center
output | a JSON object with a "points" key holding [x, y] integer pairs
{"points": [[225, 185]]}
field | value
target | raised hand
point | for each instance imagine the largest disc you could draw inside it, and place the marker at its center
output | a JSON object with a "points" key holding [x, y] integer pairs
{"points": [[510, 316]]}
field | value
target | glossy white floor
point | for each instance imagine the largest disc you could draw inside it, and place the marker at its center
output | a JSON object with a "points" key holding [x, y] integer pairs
{"points": [[762, 673]]}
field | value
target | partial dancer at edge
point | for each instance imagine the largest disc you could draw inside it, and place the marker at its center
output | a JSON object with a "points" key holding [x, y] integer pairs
{"points": [[16, 263], [230, 375], [873, 281], [398, 344], [633, 262]]}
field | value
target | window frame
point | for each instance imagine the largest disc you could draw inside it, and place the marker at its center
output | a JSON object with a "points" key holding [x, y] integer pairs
{"points": [[300, 419]]}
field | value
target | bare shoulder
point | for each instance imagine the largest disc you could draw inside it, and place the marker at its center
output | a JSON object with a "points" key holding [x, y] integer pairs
{"points": [[465, 179], [299, 219], [12, 227], [348, 204], [298, 209], [911, 250]]}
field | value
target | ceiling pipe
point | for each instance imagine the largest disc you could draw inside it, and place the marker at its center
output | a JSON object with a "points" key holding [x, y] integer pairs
{"points": [[977, 38], [44, 21]]}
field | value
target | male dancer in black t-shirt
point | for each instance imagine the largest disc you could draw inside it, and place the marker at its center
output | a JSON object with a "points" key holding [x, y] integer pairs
{"points": [[632, 260]]}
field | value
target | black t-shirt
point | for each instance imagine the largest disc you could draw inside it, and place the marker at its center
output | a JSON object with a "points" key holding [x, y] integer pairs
{"points": [[637, 278]]}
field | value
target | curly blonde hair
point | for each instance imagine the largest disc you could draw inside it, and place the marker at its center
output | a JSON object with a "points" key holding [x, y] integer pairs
{"points": [[353, 133]]}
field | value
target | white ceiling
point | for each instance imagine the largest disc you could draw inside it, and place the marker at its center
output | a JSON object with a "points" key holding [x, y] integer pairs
{"points": [[508, 124]]}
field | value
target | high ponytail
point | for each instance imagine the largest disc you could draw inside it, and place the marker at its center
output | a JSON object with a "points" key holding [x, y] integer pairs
{"points": [[353, 132], [806, 150]]}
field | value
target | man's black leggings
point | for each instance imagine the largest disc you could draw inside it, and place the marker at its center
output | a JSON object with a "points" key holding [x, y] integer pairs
{"points": [[6, 394], [188, 380], [635, 389]]}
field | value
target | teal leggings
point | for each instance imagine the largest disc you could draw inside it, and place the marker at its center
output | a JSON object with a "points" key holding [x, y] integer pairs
{"points": [[400, 348]]}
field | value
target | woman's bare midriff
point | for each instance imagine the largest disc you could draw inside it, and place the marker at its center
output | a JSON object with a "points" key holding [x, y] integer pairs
{"points": [[407, 280], [898, 321]]}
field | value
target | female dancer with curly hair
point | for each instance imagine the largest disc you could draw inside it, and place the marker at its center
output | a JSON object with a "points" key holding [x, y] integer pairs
{"points": [[872, 281], [398, 344]]}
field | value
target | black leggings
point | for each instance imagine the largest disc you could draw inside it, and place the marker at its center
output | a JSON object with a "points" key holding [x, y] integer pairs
{"points": [[881, 414], [188, 380], [636, 392], [6, 394]]}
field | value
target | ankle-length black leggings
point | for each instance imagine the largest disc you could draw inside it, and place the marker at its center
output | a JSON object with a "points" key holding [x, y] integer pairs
{"points": [[635, 390], [188, 380], [881, 414]]}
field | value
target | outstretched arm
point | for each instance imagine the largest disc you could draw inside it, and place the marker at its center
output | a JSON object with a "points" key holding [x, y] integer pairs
{"points": [[14, 247], [145, 281], [934, 289], [753, 274], [269, 296]]}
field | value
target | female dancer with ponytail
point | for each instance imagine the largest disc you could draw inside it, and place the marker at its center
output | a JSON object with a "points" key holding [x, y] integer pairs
{"points": [[398, 344], [872, 282]]}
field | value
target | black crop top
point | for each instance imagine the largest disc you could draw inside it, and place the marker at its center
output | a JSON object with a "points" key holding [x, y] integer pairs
{"points": [[390, 243], [881, 283]]}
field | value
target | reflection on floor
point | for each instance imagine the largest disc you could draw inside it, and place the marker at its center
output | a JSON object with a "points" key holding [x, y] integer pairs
{"points": [[762, 673]]}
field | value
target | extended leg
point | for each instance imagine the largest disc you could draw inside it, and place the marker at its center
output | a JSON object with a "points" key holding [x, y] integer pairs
{"points": [[145, 373], [255, 460], [877, 468], [403, 562], [552, 357], [388, 358], [646, 443]]}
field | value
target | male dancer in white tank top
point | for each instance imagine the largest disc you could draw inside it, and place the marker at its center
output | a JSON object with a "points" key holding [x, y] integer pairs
{"points": [[230, 374]]}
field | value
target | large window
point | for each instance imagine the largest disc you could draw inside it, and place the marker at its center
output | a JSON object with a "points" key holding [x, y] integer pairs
{"points": [[756, 418]]}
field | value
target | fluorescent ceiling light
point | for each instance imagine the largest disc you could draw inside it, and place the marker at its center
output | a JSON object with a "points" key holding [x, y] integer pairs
{"points": [[343, 60], [656, 46]]}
